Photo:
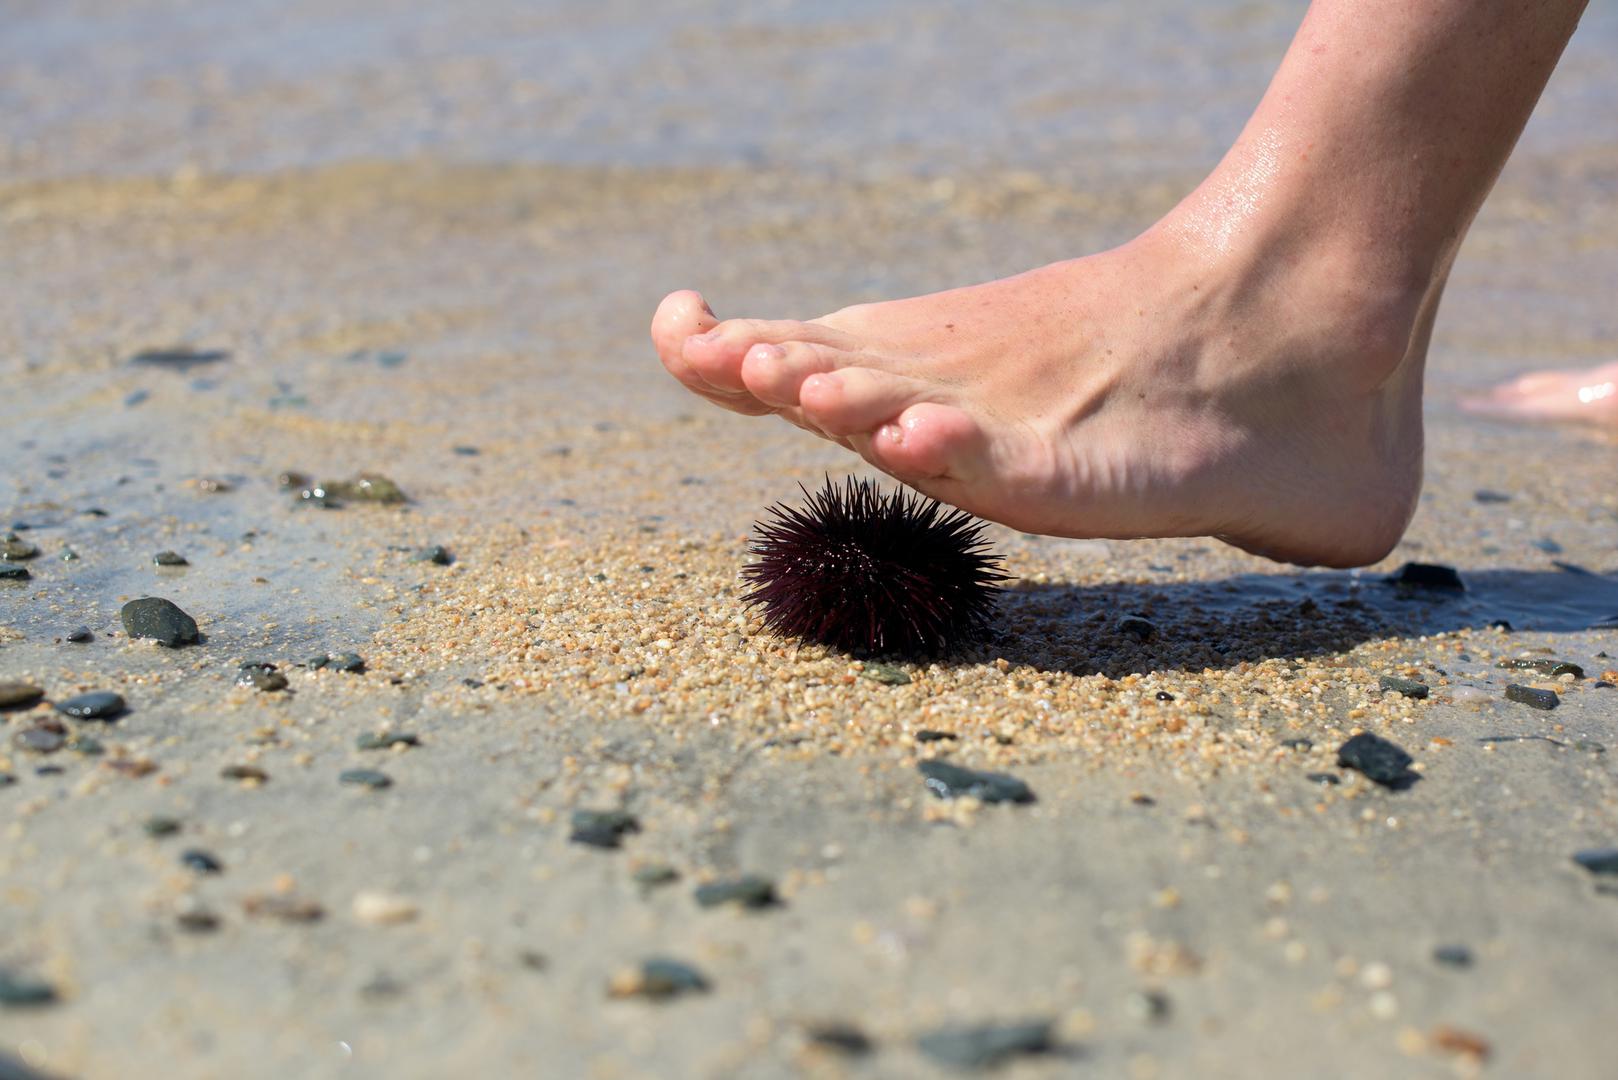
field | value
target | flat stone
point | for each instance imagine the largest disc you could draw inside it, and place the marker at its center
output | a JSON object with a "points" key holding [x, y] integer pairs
{"points": [[1418, 575], [83, 744], [160, 620], [367, 778], [437, 554], [201, 861], [159, 827], [289, 909], [95, 705], [79, 635], [19, 695], [926, 735], [265, 681], [170, 558], [1549, 668], [948, 781], [651, 875], [353, 663], [383, 909], [986, 1046], [747, 891], [1454, 956], [1410, 688], [603, 829], [659, 979], [1300, 744], [1325, 779], [845, 1038], [1486, 496], [1377, 759], [18, 991], [1602, 861], [1533, 697], [13, 572], [385, 740], [886, 674], [250, 773], [39, 740], [15, 549]]}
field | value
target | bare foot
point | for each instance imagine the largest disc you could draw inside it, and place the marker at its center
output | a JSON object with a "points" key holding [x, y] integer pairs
{"points": [[1591, 395], [1145, 391]]}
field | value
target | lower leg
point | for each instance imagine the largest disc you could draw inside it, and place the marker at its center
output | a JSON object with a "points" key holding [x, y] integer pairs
{"points": [[1250, 367]]}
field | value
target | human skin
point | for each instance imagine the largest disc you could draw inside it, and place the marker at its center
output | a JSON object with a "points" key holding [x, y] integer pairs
{"points": [[1250, 367]]}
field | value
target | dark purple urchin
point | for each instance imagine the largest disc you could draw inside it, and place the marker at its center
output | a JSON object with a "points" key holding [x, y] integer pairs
{"points": [[867, 572]]}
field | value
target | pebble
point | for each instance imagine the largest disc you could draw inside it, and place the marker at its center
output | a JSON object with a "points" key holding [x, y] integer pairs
{"points": [[170, 558], [1551, 669], [353, 663], [180, 359], [1410, 688], [1599, 861], [1148, 1006], [987, 1046], [651, 875], [39, 740], [6, 779], [1469, 695], [1484, 495], [95, 705], [283, 908], [886, 674], [197, 921], [244, 772], [948, 781], [603, 829], [367, 778], [87, 746], [19, 695], [366, 488], [1138, 627], [159, 827], [1533, 697], [658, 979], [13, 572], [842, 1037], [385, 740], [1417, 575], [79, 635], [437, 554], [1299, 744], [1458, 1041], [746, 891], [927, 735], [259, 679], [1324, 778], [201, 861], [1454, 956], [383, 909], [1378, 759], [15, 549], [159, 619], [21, 991]]}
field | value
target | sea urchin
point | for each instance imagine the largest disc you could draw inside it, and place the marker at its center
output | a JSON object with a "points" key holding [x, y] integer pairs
{"points": [[882, 574]]}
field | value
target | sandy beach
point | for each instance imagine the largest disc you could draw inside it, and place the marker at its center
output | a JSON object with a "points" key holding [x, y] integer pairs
{"points": [[249, 253]]}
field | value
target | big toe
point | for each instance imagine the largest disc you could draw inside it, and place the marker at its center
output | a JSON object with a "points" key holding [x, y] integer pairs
{"points": [[679, 316]]}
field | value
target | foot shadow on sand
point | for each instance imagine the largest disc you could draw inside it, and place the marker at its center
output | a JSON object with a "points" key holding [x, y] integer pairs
{"points": [[1088, 629]]}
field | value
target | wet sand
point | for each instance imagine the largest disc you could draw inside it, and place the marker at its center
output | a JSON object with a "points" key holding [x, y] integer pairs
{"points": [[1181, 900]]}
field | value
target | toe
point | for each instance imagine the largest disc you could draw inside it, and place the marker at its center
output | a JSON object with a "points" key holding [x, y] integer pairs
{"points": [[717, 355], [927, 441], [680, 315], [774, 374], [856, 400]]}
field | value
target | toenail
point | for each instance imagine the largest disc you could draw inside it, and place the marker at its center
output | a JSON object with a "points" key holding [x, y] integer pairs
{"points": [[768, 352]]}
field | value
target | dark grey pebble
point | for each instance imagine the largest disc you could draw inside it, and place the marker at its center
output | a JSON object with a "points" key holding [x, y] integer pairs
{"points": [[181, 359], [1501, 624], [87, 746], [438, 555], [1299, 744], [6, 779], [604, 829], [1455, 956], [13, 572], [747, 891], [1484, 495], [259, 679], [987, 1046], [20, 991], [384, 740], [244, 772], [1377, 759], [352, 663], [39, 740], [198, 921], [661, 978], [1410, 688], [1598, 860], [1418, 575], [170, 558], [159, 827], [1533, 697], [95, 705], [1547, 667], [927, 735], [1138, 627], [952, 782], [1325, 778], [533, 959], [839, 1036], [15, 549], [1148, 1006], [368, 778], [201, 861], [466, 451], [159, 619], [19, 695], [79, 635], [1164, 695]]}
